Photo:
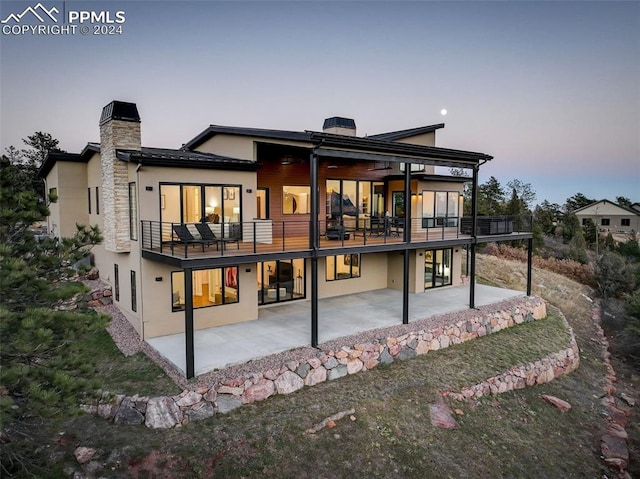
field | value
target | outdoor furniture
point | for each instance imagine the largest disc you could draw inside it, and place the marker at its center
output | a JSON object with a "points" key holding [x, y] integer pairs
{"points": [[335, 231], [185, 236], [208, 235]]}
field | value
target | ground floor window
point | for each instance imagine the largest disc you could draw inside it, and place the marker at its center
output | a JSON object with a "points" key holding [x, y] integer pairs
{"points": [[343, 266], [211, 287], [134, 289], [625, 222], [605, 222], [437, 268], [116, 281], [282, 280]]}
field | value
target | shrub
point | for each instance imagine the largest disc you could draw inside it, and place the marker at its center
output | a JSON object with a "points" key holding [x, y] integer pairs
{"points": [[583, 273]]}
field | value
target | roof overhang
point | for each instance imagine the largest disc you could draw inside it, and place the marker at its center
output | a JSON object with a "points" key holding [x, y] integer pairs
{"points": [[184, 159], [54, 156], [338, 146]]}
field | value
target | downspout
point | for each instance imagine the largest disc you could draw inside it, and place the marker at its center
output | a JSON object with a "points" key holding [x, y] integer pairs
{"points": [[139, 249]]}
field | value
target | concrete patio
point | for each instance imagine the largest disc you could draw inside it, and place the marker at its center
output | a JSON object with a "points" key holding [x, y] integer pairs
{"points": [[286, 326]]}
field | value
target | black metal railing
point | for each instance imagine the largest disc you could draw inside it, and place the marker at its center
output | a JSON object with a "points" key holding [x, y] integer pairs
{"points": [[496, 225], [270, 236]]}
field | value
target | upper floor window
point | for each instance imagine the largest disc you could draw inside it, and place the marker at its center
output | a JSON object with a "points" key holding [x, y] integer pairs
{"points": [[414, 167], [195, 203], [440, 208], [296, 200], [89, 199]]}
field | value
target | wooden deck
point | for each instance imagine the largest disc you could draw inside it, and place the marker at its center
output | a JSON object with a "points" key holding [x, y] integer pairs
{"points": [[296, 243]]}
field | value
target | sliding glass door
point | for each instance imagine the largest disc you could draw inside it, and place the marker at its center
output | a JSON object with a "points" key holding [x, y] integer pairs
{"points": [[437, 268]]}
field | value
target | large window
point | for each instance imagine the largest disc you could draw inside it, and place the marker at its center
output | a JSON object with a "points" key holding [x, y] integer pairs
{"points": [[133, 211], [211, 287], [282, 280], [437, 268], [440, 208], [296, 200], [353, 202], [190, 203], [343, 266]]}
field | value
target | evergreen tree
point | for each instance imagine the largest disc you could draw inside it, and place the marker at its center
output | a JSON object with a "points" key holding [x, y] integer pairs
{"points": [[577, 201], [490, 198], [39, 375]]}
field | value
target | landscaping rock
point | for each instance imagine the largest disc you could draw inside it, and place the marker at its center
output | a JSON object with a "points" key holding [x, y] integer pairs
{"points": [[128, 414], [441, 416], [315, 376], [162, 413], [202, 410], [228, 402], [258, 392], [337, 372], [564, 406], [84, 454], [385, 357], [288, 382]]}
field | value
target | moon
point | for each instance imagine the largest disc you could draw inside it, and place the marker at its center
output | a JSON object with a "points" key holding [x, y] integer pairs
{"points": [[443, 112]]}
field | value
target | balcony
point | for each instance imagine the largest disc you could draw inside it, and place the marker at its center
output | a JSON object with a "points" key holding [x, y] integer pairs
{"points": [[215, 240]]}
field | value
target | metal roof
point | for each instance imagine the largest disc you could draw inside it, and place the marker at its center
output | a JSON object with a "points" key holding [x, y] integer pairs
{"points": [[213, 130], [184, 159], [400, 134]]}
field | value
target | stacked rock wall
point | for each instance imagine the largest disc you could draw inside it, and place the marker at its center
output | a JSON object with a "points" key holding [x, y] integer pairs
{"points": [[330, 364]]}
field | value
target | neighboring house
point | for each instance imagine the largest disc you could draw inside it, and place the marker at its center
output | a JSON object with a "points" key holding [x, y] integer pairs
{"points": [[610, 217], [240, 218]]}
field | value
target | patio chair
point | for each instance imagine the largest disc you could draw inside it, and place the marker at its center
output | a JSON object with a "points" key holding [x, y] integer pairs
{"points": [[185, 236], [208, 235]]}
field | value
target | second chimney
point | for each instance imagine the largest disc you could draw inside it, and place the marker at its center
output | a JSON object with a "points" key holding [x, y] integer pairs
{"points": [[339, 125]]}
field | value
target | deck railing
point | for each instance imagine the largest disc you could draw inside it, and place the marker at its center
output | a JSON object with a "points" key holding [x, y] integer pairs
{"points": [[269, 236]]}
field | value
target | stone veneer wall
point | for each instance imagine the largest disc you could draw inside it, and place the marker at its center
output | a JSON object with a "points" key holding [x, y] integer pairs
{"points": [[224, 396], [116, 134]]}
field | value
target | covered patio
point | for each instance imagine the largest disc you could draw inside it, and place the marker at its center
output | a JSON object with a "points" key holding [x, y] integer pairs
{"points": [[287, 326]]}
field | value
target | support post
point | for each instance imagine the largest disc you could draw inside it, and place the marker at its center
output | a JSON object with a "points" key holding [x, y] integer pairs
{"points": [[188, 323], [315, 203], [314, 301], [474, 234], [529, 264], [405, 287], [407, 203], [314, 244]]}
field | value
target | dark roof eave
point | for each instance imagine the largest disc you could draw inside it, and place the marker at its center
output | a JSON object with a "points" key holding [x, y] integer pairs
{"points": [[416, 152], [54, 156], [183, 159], [400, 134], [213, 130]]}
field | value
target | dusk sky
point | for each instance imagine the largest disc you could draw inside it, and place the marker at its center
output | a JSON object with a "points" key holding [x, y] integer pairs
{"points": [[550, 89]]}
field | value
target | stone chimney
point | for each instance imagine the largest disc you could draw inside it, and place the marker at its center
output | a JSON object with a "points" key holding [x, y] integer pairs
{"points": [[339, 126], [119, 129]]}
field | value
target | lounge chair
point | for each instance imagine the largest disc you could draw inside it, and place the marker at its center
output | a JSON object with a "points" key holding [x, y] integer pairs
{"points": [[185, 237], [208, 235]]}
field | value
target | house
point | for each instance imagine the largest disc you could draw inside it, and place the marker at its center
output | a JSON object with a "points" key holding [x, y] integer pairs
{"points": [[242, 218], [610, 217]]}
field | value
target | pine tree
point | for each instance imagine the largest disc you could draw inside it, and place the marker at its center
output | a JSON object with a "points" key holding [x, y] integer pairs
{"points": [[39, 376]]}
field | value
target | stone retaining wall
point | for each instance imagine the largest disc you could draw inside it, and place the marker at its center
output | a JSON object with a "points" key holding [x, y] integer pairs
{"points": [[327, 365], [541, 371]]}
